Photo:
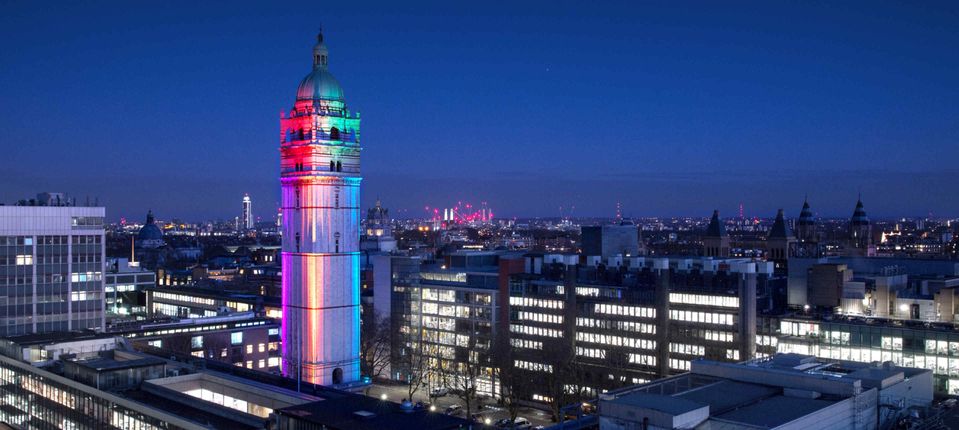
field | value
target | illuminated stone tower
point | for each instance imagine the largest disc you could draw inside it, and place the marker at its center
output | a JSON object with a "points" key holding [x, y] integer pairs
{"points": [[320, 179]]}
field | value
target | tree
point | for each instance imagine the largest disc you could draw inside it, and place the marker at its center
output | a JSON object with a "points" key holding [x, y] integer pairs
{"points": [[461, 376], [415, 362], [375, 345], [511, 379], [563, 378]]}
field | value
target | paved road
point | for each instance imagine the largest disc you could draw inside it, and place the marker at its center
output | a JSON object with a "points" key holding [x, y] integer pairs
{"points": [[397, 393]]}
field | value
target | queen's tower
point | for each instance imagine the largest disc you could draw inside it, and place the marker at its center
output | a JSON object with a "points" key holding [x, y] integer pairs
{"points": [[320, 180]]}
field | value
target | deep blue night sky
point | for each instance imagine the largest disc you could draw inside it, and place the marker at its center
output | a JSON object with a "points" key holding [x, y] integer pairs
{"points": [[671, 109]]}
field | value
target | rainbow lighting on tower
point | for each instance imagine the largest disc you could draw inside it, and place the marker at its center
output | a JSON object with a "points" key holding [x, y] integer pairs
{"points": [[320, 179]]}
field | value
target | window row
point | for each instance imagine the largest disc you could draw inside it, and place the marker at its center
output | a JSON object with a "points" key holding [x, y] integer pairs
{"points": [[535, 331], [605, 339], [538, 303], [540, 317], [704, 300], [633, 311], [701, 317]]}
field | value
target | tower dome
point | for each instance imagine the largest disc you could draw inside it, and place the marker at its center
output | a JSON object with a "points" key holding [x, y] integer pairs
{"points": [[150, 236], [320, 85]]}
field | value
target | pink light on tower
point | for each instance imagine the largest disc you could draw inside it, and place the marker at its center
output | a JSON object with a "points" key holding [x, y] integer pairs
{"points": [[320, 182]]}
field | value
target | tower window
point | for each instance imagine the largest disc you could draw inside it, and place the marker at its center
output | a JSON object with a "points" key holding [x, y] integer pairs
{"points": [[339, 166], [332, 166], [297, 241], [297, 199], [334, 133]]}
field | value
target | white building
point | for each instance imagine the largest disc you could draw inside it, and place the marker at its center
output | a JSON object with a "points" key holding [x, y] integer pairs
{"points": [[51, 269]]}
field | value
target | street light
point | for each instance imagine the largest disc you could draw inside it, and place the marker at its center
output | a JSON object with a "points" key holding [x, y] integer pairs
{"points": [[383, 396]]}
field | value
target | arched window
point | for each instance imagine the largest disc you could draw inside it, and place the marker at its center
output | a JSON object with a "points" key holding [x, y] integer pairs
{"points": [[339, 166], [332, 166], [297, 241], [334, 133], [300, 134], [289, 135]]}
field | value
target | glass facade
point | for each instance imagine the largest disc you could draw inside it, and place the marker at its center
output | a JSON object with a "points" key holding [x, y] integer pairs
{"points": [[34, 398], [921, 347]]}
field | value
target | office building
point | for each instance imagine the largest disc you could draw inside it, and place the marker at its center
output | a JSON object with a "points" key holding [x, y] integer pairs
{"points": [[51, 269], [444, 314], [871, 309], [125, 286], [116, 386], [786, 391], [198, 302], [630, 321], [320, 177], [241, 339], [611, 240]]}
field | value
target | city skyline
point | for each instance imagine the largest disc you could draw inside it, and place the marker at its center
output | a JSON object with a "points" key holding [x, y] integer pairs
{"points": [[683, 111]]}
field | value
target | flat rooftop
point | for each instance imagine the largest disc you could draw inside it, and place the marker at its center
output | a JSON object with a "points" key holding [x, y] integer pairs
{"points": [[229, 391], [57, 337], [365, 413], [764, 393]]}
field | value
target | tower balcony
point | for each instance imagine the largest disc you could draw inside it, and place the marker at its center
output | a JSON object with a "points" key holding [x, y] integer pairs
{"points": [[319, 137]]}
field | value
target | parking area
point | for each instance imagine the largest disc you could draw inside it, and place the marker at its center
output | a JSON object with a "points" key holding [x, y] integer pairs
{"points": [[487, 408]]}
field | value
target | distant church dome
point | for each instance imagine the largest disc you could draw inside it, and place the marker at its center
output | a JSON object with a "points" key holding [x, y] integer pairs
{"points": [[320, 83], [150, 236]]}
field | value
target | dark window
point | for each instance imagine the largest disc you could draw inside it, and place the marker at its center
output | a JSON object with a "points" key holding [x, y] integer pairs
{"points": [[339, 167], [332, 166], [334, 133]]}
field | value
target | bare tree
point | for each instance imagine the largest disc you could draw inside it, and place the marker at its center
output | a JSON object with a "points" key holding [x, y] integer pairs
{"points": [[414, 360], [563, 378], [511, 379], [375, 345], [461, 376], [618, 363]]}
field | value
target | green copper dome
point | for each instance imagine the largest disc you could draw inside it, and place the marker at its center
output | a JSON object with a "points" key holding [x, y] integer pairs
{"points": [[320, 83]]}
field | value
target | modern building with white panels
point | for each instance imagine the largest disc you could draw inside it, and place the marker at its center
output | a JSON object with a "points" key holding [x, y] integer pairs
{"points": [[51, 269]]}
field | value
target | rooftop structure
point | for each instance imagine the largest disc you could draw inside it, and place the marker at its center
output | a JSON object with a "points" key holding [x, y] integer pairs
{"points": [[783, 391]]}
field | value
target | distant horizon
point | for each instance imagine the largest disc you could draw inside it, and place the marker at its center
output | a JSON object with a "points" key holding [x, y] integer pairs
{"points": [[533, 107]]}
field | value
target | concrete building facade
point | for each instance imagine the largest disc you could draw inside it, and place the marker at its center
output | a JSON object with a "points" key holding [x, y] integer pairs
{"points": [[51, 269]]}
